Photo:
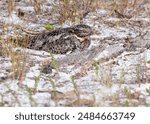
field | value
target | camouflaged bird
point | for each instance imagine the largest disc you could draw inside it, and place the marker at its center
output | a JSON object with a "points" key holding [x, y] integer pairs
{"points": [[62, 40]]}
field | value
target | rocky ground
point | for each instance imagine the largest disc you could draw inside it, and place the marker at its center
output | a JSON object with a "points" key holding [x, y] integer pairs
{"points": [[113, 71]]}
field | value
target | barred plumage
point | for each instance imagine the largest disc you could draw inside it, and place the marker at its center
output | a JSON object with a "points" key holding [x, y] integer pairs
{"points": [[60, 41]]}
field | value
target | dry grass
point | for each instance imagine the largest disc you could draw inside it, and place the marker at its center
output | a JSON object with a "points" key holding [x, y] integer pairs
{"points": [[11, 6], [74, 10], [37, 5], [18, 61], [120, 7], [103, 74]]}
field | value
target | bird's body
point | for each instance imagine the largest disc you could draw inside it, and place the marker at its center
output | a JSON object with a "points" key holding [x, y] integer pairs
{"points": [[62, 40]]}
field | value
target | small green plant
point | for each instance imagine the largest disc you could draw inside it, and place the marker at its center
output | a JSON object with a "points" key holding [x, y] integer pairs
{"points": [[129, 94], [148, 91], [54, 62], [73, 82], [2, 104], [75, 87], [97, 68], [141, 70], [54, 91], [49, 27], [122, 77], [115, 100], [29, 93], [53, 86], [103, 75], [37, 79], [117, 24], [126, 103]]}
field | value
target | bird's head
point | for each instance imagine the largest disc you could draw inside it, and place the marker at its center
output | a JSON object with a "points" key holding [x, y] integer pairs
{"points": [[81, 30]]}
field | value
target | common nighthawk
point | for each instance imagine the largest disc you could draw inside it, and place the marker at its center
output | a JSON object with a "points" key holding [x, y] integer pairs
{"points": [[62, 40]]}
